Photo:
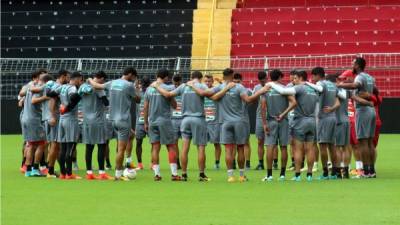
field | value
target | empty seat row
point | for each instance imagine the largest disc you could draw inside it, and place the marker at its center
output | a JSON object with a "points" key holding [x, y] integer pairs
{"points": [[96, 16], [103, 52], [95, 40], [381, 12], [315, 36], [84, 29], [311, 3], [319, 25], [40, 5], [312, 48]]}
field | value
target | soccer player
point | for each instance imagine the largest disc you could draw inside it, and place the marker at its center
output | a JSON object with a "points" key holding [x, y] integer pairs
{"points": [[94, 124], [51, 125], [140, 132], [366, 116], [304, 127], [32, 128], [122, 95], [326, 129], [213, 125], [230, 96], [274, 110], [158, 124], [262, 79], [290, 121], [177, 115], [68, 128], [193, 127]]}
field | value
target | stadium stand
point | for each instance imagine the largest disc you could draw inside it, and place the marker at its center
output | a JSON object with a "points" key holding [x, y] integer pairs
{"points": [[60, 29]]}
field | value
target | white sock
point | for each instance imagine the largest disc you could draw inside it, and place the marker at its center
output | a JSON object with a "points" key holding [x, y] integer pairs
{"points": [[361, 165], [358, 165], [156, 169], [101, 172], [341, 164], [128, 159], [315, 164], [89, 172], [174, 168], [230, 173], [118, 173]]}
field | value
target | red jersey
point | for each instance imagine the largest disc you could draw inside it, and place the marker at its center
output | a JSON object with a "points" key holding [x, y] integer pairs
{"points": [[377, 100], [351, 111]]}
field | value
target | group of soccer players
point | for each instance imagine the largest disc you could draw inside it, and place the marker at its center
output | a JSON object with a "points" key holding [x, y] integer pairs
{"points": [[330, 118]]}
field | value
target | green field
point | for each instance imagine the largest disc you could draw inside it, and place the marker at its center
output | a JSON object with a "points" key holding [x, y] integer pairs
{"points": [[38, 201]]}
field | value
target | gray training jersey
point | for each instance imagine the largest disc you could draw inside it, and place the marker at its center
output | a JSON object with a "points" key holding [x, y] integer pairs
{"points": [[276, 103], [327, 98], [159, 106], [65, 92], [230, 108], [121, 94], [46, 115], [245, 105], [257, 88], [140, 110], [93, 108], [192, 103], [367, 84], [342, 114], [306, 98], [32, 112]]}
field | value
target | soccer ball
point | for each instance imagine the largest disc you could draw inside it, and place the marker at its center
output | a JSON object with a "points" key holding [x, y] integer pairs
{"points": [[130, 173]]}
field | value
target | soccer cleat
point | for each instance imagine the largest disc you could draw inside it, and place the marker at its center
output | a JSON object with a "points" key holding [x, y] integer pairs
{"points": [[259, 167], [72, 177], [121, 178], [297, 179], [243, 179], [51, 176], [275, 166], [176, 178], [291, 168], [140, 166], [27, 173], [309, 178], [157, 178], [62, 177], [184, 177], [353, 172], [36, 173], [267, 179], [231, 179], [44, 170], [204, 179], [216, 166], [105, 176], [91, 176], [130, 165], [282, 178], [322, 177], [333, 177], [23, 169]]}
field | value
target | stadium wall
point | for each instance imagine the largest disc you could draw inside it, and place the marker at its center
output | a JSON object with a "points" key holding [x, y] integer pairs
{"points": [[391, 124]]}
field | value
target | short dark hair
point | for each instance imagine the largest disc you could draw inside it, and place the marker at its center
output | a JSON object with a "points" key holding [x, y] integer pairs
{"points": [[332, 77], [42, 70], [262, 75], [162, 73], [46, 78], [293, 72], [130, 70], [209, 76], [101, 75], [197, 74], [177, 78], [76, 75], [275, 74], [35, 75], [62, 72], [303, 74], [360, 61], [145, 82], [237, 76], [227, 72], [319, 71]]}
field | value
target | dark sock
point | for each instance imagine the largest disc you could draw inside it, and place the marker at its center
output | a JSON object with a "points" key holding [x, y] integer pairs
{"points": [[108, 162], [372, 168], [217, 162], [334, 171], [275, 161], [184, 175], [29, 168], [283, 171], [292, 160], [88, 156], [325, 171], [261, 162], [51, 170], [309, 174], [23, 162], [202, 175], [297, 174], [100, 155], [69, 157], [366, 169], [269, 172], [62, 158], [36, 166], [247, 163]]}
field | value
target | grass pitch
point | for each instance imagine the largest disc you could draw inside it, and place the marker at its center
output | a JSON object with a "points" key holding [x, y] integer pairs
{"points": [[143, 201]]}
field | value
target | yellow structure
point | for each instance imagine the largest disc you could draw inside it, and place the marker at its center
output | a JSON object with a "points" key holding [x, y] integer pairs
{"points": [[212, 34]]}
